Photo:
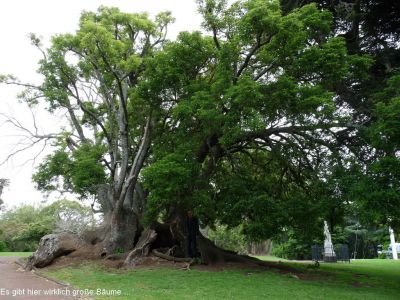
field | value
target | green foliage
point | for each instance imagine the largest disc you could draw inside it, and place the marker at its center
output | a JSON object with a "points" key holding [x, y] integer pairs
{"points": [[229, 238], [23, 227], [3, 183], [87, 171], [48, 173], [372, 186], [248, 132], [295, 244], [3, 246], [364, 240], [80, 170], [385, 133], [369, 183], [172, 175]]}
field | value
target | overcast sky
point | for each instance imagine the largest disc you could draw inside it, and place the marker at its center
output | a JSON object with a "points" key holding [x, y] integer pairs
{"points": [[45, 18]]}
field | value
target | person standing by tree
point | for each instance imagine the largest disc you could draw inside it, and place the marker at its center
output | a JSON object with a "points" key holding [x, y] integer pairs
{"points": [[192, 226]]}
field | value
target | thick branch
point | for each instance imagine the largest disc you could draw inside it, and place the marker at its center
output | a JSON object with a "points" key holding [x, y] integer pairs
{"points": [[295, 129], [138, 161], [252, 51], [75, 122], [215, 37], [124, 141]]}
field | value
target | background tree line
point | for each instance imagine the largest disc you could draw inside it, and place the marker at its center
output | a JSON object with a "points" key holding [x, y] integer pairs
{"points": [[21, 228]]}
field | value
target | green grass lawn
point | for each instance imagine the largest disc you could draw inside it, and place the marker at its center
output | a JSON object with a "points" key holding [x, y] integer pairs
{"points": [[21, 254], [363, 279]]}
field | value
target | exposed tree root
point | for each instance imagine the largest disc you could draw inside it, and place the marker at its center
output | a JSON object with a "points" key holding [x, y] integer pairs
{"points": [[163, 241], [141, 249], [171, 258]]}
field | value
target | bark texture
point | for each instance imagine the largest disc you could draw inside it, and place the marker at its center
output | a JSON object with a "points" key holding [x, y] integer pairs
{"points": [[121, 227]]}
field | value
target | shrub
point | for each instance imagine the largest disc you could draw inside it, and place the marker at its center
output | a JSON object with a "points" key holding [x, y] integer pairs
{"points": [[3, 246]]}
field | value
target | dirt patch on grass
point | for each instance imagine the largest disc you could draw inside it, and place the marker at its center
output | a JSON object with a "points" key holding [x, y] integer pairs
{"points": [[149, 262], [358, 275], [361, 284]]}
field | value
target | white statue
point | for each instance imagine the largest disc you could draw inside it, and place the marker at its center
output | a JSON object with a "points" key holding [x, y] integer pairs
{"points": [[393, 244], [329, 252]]}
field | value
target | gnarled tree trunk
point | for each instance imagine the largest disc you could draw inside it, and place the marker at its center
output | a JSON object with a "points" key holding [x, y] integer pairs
{"points": [[121, 231], [121, 227]]}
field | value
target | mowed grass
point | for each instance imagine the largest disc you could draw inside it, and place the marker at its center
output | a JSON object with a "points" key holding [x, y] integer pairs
{"points": [[363, 279], [373, 272], [19, 254]]}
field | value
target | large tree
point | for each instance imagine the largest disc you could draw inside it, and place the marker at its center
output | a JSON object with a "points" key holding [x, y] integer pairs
{"points": [[238, 125], [94, 76]]}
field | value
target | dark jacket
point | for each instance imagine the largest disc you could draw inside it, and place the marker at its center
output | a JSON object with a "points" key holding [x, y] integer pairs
{"points": [[192, 226]]}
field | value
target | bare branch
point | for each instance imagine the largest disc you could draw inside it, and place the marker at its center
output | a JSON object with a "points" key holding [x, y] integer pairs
{"points": [[37, 43], [29, 139], [92, 115], [14, 153], [17, 83]]}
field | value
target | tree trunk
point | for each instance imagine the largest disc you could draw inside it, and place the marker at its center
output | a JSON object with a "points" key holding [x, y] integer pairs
{"points": [[121, 226], [124, 229], [121, 230]]}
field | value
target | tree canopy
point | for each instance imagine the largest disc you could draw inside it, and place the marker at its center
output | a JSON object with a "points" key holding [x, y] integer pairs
{"points": [[254, 117]]}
